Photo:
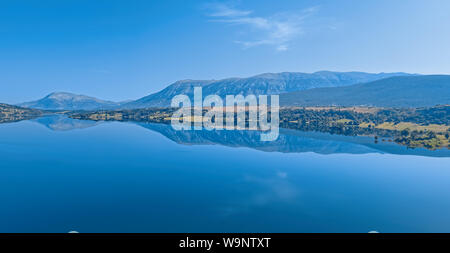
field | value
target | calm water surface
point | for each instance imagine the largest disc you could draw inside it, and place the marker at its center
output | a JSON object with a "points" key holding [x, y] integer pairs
{"points": [[58, 175]]}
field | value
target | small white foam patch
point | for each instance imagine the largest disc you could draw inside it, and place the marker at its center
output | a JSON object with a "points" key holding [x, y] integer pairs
{"points": [[73, 232], [373, 232]]}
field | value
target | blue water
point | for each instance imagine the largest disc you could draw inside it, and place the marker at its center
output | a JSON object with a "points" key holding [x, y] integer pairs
{"points": [[58, 175]]}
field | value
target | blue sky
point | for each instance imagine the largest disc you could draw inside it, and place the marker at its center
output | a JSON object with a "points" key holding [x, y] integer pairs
{"points": [[119, 50]]}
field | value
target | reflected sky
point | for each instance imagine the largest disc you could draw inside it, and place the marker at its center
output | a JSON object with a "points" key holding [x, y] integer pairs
{"points": [[121, 177]]}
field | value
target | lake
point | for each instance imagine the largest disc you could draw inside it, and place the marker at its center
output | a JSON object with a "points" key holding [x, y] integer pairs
{"points": [[59, 174]]}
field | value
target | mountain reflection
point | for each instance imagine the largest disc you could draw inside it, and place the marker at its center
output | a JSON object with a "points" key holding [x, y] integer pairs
{"points": [[64, 123], [289, 141]]}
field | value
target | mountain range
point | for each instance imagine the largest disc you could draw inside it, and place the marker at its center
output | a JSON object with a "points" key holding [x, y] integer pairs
{"points": [[322, 88], [264, 84], [400, 91]]}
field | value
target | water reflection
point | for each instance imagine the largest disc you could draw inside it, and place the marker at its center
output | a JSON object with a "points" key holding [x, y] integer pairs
{"points": [[289, 141], [129, 177], [64, 123]]}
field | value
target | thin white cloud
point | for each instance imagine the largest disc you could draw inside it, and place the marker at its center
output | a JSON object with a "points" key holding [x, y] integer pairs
{"points": [[222, 10], [277, 30]]}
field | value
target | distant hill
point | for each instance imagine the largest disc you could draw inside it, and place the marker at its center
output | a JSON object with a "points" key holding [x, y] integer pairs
{"points": [[14, 109], [400, 91], [69, 101], [269, 84], [12, 113]]}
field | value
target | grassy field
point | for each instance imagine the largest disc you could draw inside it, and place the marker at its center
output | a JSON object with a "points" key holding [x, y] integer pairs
{"points": [[411, 126], [421, 139]]}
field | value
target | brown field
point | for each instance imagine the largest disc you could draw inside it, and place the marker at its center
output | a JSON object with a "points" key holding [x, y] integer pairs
{"points": [[354, 108]]}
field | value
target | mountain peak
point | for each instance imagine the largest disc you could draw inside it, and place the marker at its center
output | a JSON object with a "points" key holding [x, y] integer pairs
{"points": [[60, 93], [69, 101], [64, 95]]}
